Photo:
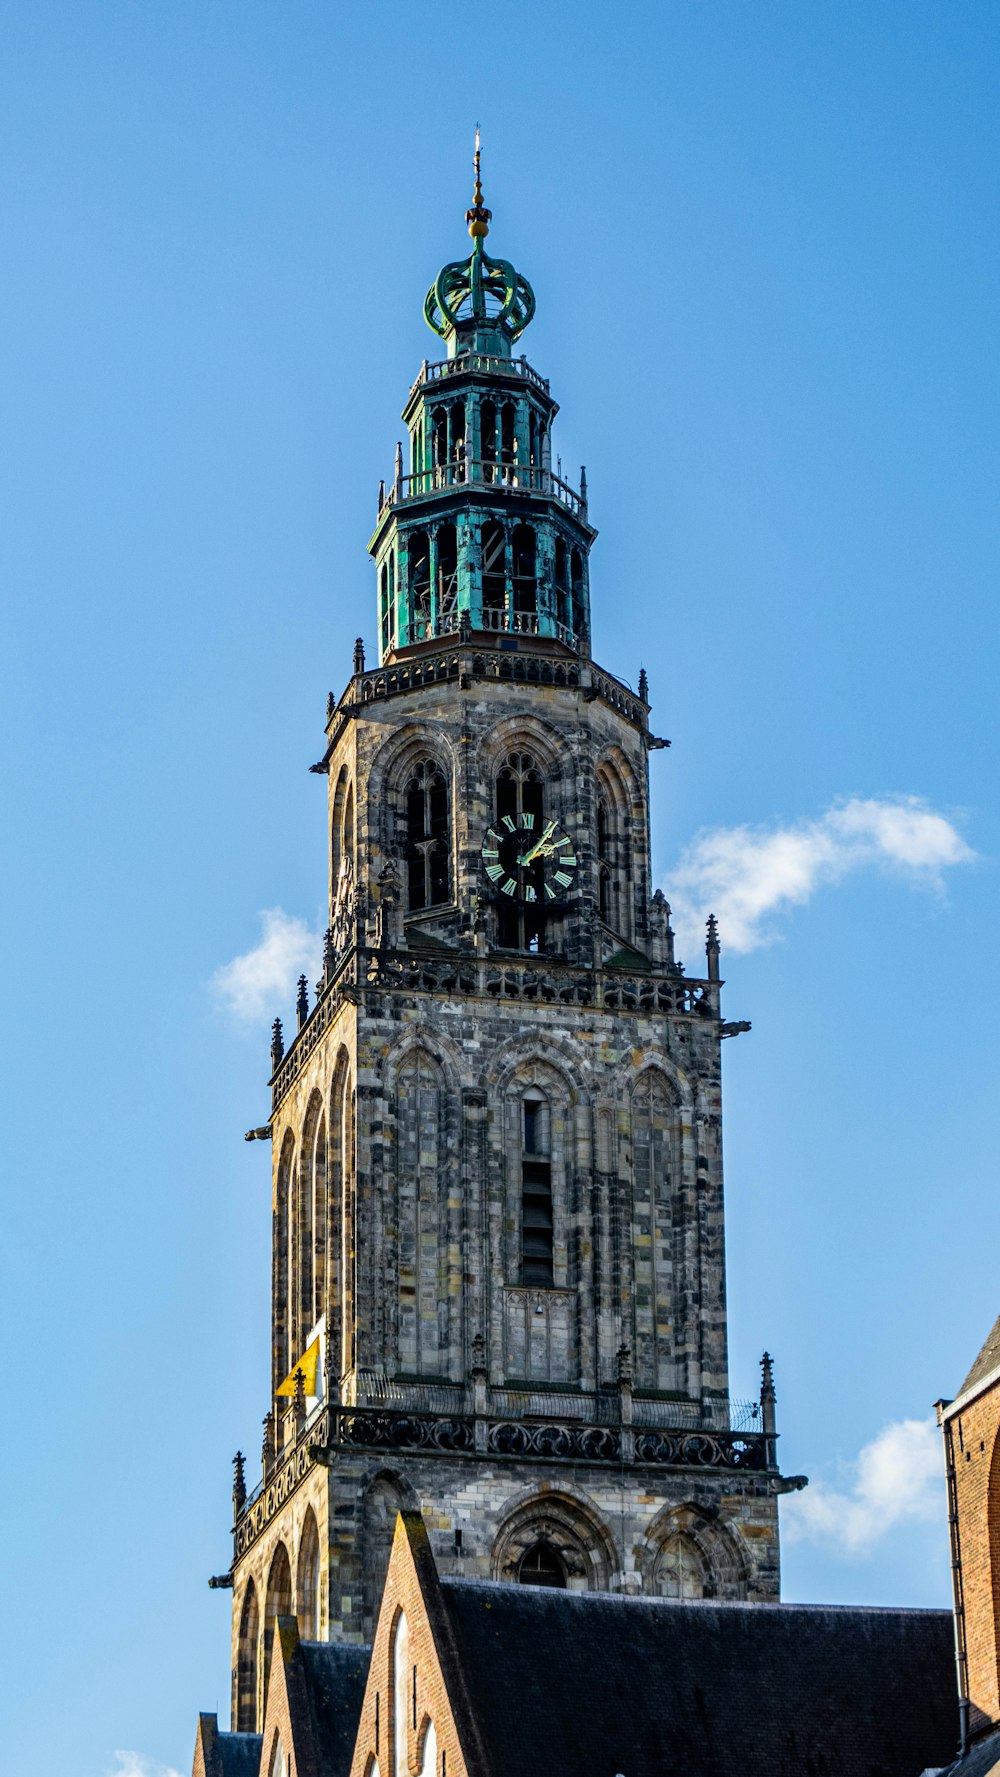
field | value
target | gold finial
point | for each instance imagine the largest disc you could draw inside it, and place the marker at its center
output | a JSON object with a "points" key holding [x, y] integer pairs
{"points": [[479, 217]]}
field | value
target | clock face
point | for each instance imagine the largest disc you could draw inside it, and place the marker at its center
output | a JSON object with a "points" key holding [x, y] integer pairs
{"points": [[529, 858]]}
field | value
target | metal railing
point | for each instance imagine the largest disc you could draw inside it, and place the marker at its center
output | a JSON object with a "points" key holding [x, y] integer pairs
{"points": [[509, 478], [478, 363]]}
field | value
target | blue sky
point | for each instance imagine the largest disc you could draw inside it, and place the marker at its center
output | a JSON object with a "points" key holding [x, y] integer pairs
{"points": [[763, 243]]}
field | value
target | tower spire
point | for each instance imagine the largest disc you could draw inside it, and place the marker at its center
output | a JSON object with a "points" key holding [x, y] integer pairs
{"points": [[479, 217]]}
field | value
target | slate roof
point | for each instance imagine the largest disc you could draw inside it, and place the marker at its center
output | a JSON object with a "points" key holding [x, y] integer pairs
{"points": [[988, 1359], [979, 1761], [334, 1676], [592, 1685], [236, 1755]]}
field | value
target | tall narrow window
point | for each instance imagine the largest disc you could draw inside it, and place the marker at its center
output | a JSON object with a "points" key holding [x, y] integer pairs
{"points": [[606, 860], [427, 832], [386, 612], [488, 438], [536, 1193], [420, 585], [309, 1579], [524, 576], [494, 574], [576, 587], [508, 438], [246, 1663], [447, 573], [439, 437], [563, 605], [458, 438], [521, 925]]}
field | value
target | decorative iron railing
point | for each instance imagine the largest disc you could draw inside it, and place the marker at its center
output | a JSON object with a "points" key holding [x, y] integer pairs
{"points": [[478, 363], [505, 478], [530, 980], [553, 1437]]}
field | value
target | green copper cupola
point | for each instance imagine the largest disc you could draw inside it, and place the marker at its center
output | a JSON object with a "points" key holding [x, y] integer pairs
{"points": [[481, 534]]}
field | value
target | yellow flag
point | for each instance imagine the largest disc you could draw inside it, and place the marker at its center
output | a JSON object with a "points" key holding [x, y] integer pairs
{"points": [[309, 1364]]}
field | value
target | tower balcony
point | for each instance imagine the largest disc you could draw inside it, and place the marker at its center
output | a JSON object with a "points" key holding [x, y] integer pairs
{"points": [[477, 364], [498, 477]]}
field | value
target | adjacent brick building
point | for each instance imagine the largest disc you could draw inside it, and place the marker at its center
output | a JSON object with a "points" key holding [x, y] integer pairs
{"points": [[971, 1426]]}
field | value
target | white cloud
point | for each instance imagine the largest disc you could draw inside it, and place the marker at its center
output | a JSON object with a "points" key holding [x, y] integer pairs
{"points": [[135, 1764], [261, 983], [898, 1479], [745, 874]]}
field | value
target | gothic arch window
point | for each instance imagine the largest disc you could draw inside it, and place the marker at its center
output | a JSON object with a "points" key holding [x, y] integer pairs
{"points": [[494, 545], [427, 838], [278, 1602], [653, 1118], [447, 577], [305, 1231], [686, 1554], [525, 577], [308, 1579], [419, 556], [423, 1272], [319, 1220], [570, 1533], [679, 1571], [340, 1245], [278, 1766], [541, 1566], [537, 1228], [246, 1663], [520, 792], [281, 1265]]}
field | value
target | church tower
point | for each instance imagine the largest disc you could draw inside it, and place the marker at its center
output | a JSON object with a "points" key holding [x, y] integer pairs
{"points": [[498, 1271]]}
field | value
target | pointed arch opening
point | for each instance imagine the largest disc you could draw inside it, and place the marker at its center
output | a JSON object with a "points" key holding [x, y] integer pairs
{"points": [[428, 877], [307, 1587], [520, 793], [247, 1653], [340, 1242], [278, 1603], [282, 1294], [679, 1571]]}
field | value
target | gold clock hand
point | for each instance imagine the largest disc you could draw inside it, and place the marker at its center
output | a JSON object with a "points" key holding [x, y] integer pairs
{"points": [[529, 856]]}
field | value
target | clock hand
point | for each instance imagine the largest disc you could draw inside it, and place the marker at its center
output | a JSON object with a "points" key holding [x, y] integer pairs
{"points": [[529, 857]]}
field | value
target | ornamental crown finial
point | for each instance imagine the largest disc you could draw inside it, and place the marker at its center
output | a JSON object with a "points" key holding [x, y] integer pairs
{"points": [[485, 299]]}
